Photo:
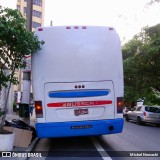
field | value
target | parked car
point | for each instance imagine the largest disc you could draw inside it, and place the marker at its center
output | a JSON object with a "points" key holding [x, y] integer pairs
{"points": [[144, 114], [125, 110]]}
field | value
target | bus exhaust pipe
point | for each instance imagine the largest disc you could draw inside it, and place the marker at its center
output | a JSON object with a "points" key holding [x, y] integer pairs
{"points": [[111, 128]]}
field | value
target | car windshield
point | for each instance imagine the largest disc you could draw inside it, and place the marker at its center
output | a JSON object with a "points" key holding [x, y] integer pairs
{"points": [[152, 109]]}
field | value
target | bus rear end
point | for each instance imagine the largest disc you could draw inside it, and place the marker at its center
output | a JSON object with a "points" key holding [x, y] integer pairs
{"points": [[78, 82]]}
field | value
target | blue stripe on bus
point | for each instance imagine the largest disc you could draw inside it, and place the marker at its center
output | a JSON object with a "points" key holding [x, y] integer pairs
{"points": [[83, 128], [77, 94]]}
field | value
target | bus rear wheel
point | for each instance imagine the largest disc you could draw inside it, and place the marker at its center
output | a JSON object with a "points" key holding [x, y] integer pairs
{"points": [[158, 125]]}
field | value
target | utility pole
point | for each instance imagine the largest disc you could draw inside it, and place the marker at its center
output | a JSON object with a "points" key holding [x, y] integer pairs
{"points": [[29, 14], [51, 24], [25, 102]]}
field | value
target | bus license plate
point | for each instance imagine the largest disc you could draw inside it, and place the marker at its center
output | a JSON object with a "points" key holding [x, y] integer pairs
{"points": [[80, 111]]}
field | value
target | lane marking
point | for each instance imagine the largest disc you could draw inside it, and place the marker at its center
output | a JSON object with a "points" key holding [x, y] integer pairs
{"points": [[100, 149]]}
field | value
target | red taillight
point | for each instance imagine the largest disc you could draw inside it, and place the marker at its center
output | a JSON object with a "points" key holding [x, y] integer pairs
{"points": [[38, 109], [119, 104], [40, 29], [144, 113]]}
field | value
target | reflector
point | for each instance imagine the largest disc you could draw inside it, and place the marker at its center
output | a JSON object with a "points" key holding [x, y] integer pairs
{"points": [[68, 27], [40, 29], [84, 27]]}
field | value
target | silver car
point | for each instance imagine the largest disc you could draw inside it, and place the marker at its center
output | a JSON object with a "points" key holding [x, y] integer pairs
{"points": [[125, 110], [144, 114]]}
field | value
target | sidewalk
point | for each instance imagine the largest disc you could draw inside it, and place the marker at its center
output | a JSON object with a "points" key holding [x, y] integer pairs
{"points": [[12, 116]]}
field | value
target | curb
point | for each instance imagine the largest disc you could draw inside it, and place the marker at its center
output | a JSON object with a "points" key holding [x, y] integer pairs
{"points": [[28, 150], [31, 146], [22, 150]]}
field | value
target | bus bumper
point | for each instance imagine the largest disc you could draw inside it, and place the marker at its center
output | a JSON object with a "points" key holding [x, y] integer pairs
{"points": [[80, 128]]}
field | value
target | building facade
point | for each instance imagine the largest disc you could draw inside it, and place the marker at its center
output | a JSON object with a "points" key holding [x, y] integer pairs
{"points": [[37, 12], [37, 21]]}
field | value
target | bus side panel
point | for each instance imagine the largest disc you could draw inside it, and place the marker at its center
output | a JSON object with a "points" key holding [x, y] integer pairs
{"points": [[83, 128]]}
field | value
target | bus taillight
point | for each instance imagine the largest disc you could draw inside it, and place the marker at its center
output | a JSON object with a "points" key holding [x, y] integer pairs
{"points": [[38, 109], [119, 104]]}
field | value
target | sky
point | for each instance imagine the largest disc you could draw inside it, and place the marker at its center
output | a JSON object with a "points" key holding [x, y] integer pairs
{"points": [[127, 16]]}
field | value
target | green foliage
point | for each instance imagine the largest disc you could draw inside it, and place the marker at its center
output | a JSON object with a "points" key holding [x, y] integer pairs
{"points": [[131, 48], [153, 1], [15, 42], [1, 113], [142, 66]]}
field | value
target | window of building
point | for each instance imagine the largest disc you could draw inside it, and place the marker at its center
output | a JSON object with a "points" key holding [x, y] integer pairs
{"points": [[37, 2], [37, 14], [34, 13], [25, 10], [35, 24], [18, 7]]}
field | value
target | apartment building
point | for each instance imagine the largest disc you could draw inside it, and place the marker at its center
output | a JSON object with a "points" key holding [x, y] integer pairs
{"points": [[37, 21], [37, 13]]}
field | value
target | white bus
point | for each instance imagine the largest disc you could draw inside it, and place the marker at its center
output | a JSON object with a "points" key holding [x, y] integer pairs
{"points": [[77, 80]]}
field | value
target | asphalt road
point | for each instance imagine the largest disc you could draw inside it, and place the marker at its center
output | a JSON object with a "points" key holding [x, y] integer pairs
{"points": [[134, 139]]}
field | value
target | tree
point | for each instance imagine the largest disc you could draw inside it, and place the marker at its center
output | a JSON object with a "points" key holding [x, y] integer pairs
{"points": [[15, 43], [132, 76], [153, 1], [141, 66]]}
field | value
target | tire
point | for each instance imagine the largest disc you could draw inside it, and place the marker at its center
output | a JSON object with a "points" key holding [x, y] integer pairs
{"points": [[158, 125], [139, 121], [127, 119]]}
